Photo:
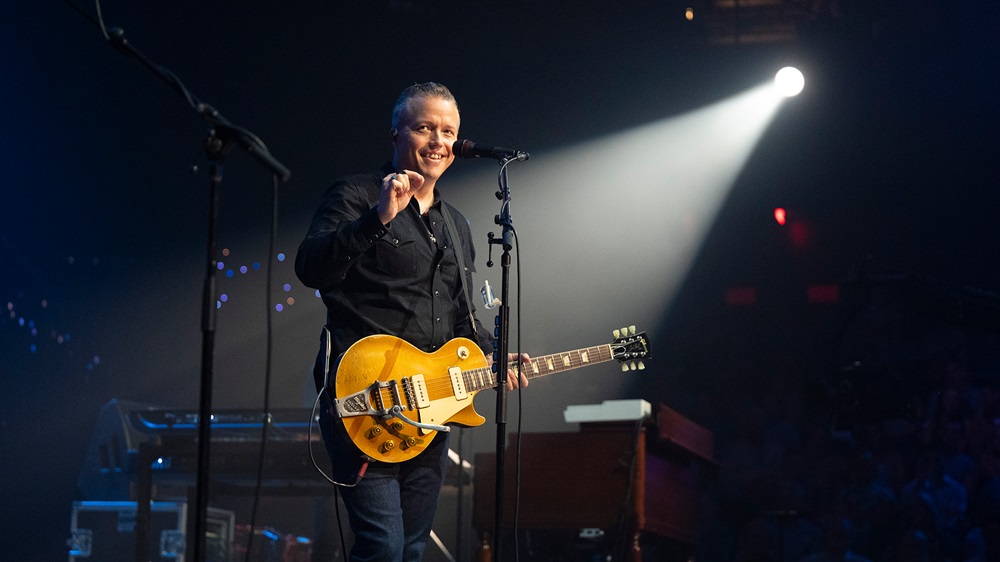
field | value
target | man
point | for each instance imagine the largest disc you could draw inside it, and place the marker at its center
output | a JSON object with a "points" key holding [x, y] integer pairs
{"points": [[382, 254]]}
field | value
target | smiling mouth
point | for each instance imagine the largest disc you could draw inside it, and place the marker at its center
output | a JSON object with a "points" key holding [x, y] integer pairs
{"points": [[435, 156]]}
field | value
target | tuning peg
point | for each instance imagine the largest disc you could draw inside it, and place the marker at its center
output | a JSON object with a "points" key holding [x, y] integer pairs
{"points": [[624, 331], [642, 366], [616, 333], [624, 367], [631, 329]]}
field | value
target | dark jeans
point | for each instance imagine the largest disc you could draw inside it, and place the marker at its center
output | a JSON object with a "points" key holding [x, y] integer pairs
{"points": [[391, 510]]}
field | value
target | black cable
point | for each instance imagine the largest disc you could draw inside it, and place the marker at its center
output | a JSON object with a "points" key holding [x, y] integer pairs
{"points": [[269, 346], [520, 403], [80, 11], [100, 20], [336, 485]]}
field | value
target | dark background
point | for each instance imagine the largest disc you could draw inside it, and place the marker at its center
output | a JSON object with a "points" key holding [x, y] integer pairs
{"points": [[886, 163]]}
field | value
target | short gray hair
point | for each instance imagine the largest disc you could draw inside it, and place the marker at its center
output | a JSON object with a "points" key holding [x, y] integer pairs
{"points": [[427, 90]]}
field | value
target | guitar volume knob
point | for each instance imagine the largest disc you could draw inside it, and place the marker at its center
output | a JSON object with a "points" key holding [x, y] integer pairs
{"points": [[388, 446], [374, 432]]}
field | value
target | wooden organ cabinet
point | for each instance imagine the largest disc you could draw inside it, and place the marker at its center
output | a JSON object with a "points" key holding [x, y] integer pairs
{"points": [[634, 480]]}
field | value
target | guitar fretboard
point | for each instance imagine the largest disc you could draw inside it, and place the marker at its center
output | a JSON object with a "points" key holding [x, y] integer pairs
{"points": [[478, 379]]}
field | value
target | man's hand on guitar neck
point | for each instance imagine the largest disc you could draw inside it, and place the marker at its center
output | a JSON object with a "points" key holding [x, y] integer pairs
{"points": [[512, 379]]}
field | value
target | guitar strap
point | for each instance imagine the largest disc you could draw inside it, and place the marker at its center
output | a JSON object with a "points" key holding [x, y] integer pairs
{"points": [[456, 243]]}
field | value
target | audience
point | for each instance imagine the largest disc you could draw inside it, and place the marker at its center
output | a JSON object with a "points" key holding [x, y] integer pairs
{"points": [[895, 458]]}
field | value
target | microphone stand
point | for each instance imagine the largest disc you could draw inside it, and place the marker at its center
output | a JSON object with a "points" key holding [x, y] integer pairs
{"points": [[221, 139], [500, 362]]}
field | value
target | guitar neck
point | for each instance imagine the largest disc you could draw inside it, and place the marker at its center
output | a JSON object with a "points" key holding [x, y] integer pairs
{"points": [[478, 379]]}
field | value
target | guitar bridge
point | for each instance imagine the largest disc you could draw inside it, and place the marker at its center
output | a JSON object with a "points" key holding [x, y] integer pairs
{"points": [[369, 402], [357, 404]]}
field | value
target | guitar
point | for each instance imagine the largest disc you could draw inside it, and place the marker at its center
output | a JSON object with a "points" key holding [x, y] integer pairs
{"points": [[391, 398]]}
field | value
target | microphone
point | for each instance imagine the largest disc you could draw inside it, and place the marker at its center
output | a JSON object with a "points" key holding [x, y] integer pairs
{"points": [[468, 149]]}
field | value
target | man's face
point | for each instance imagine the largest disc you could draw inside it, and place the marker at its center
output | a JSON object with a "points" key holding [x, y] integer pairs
{"points": [[427, 129]]}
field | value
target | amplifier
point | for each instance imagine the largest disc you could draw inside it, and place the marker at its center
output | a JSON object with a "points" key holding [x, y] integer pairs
{"points": [[104, 531]]}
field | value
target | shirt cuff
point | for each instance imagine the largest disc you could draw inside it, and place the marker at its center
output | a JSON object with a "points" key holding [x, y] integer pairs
{"points": [[371, 228]]}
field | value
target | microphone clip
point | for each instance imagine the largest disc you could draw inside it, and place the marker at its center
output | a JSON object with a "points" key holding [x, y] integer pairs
{"points": [[489, 299]]}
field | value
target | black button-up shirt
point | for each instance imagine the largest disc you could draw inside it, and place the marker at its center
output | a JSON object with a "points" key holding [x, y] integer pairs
{"points": [[399, 279]]}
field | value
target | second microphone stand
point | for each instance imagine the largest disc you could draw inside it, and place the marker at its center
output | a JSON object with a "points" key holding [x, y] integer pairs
{"points": [[501, 344]]}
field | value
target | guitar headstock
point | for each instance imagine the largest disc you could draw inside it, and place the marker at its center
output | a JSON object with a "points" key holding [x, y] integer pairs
{"points": [[630, 347]]}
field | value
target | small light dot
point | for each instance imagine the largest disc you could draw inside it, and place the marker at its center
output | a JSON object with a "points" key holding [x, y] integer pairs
{"points": [[243, 269], [287, 287], [229, 273], [290, 301], [71, 260], [66, 337], [60, 339], [256, 265], [317, 294], [97, 360], [34, 332], [13, 315], [218, 304], [278, 307], [33, 348], [31, 324], [225, 251], [221, 266], [224, 297], [281, 257], [20, 321], [10, 305], [45, 304]]}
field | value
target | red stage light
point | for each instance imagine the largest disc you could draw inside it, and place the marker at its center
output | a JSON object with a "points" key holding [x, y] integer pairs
{"points": [[829, 293], [741, 296]]}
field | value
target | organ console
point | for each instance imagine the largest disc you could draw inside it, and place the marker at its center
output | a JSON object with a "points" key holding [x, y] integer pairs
{"points": [[632, 480]]}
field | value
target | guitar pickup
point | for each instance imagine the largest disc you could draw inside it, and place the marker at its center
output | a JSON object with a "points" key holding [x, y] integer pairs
{"points": [[457, 383], [420, 396]]}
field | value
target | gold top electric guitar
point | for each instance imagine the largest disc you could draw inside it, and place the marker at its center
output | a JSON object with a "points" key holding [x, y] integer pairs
{"points": [[393, 398]]}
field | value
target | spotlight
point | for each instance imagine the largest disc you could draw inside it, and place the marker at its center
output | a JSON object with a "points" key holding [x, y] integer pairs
{"points": [[789, 81]]}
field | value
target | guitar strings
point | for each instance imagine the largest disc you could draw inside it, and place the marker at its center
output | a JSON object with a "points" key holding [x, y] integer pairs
{"points": [[483, 377], [479, 378]]}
